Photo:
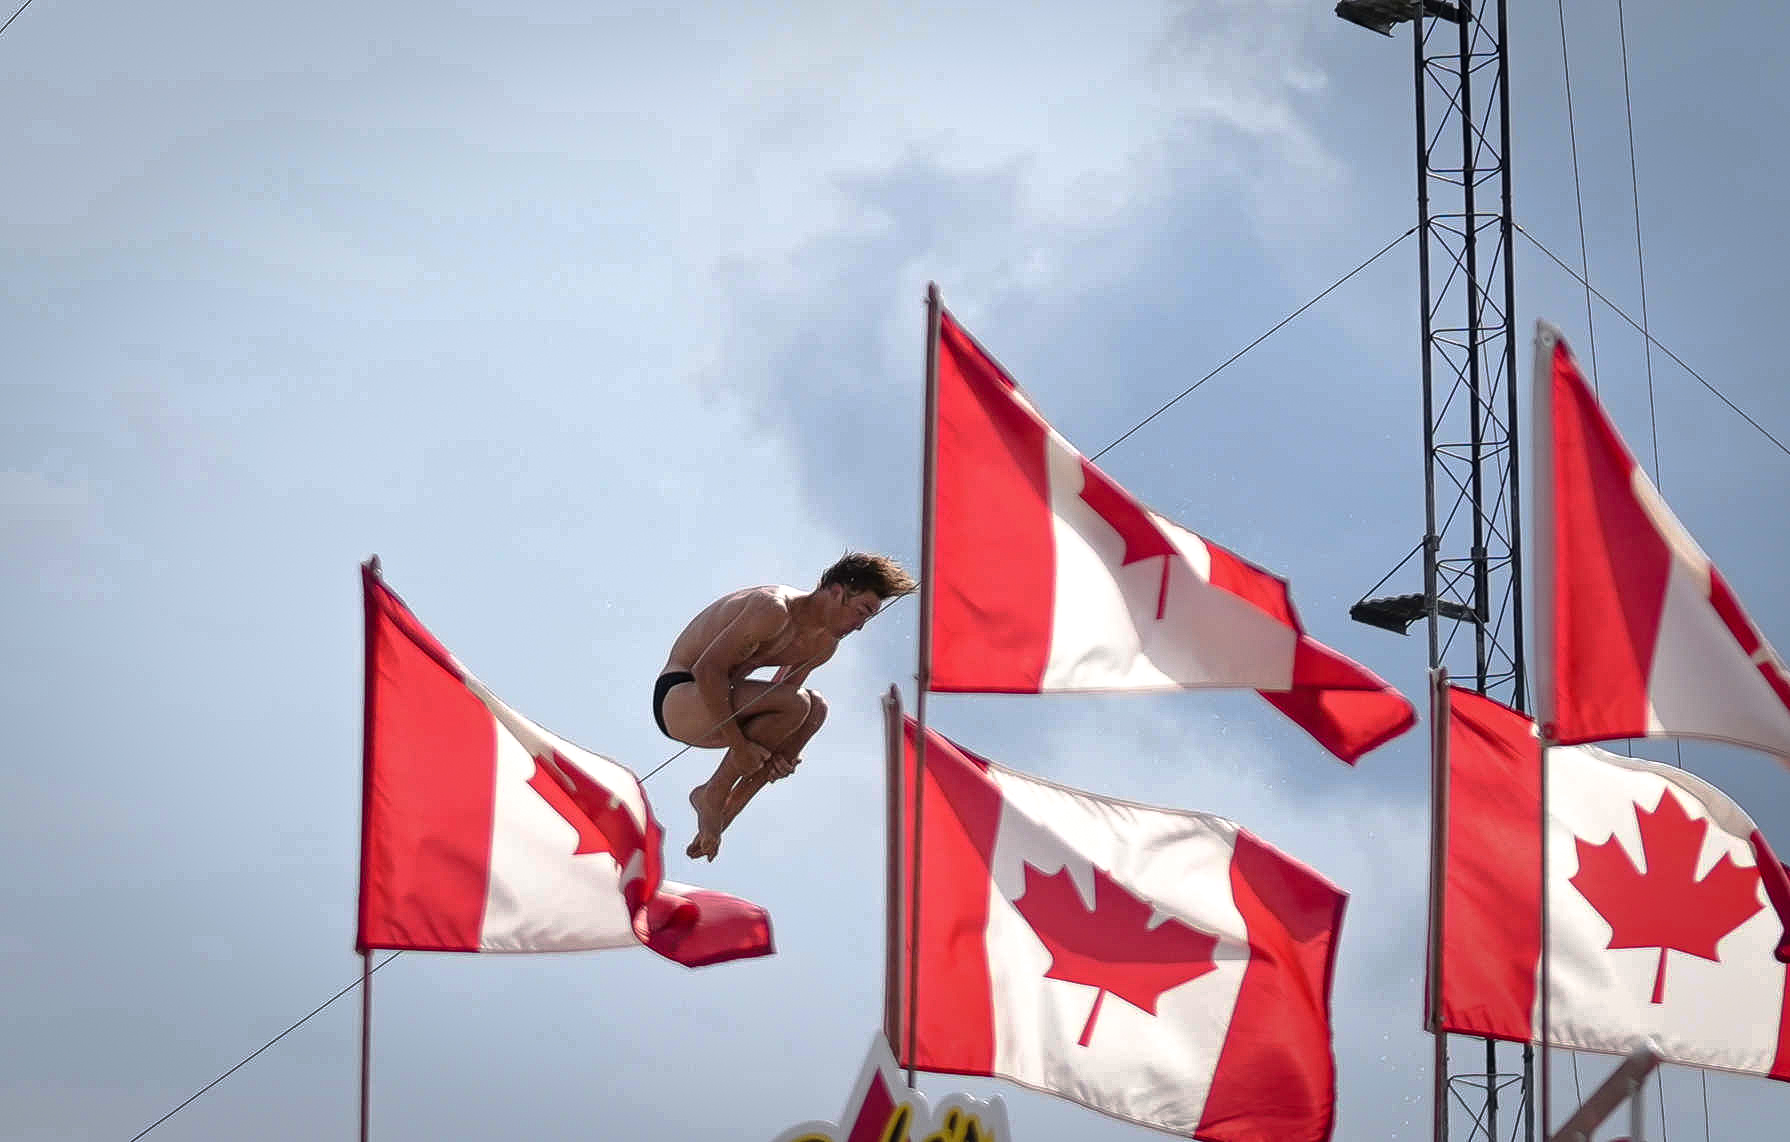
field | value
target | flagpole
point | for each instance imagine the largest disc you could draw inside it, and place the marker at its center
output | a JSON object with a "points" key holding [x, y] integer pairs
{"points": [[366, 1036], [892, 888], [923, 670], [1541, 455], [1547, 1118], [371, 573], [1439, 727]]}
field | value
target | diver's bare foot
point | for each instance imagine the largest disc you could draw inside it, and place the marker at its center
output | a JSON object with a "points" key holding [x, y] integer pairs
{"points": [[709, 824], [703, 847]]}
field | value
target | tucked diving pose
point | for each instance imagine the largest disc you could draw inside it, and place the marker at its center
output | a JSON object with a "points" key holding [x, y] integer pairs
{"points": [[704, 697]]}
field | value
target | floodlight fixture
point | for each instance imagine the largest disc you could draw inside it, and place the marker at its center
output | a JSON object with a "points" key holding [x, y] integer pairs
{"points": [[1383, 15], [1396, 613]]}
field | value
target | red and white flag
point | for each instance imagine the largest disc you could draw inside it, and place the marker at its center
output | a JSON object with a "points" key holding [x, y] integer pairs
{"points": [[1048, 576], [1638, 634], [483, 832], [1161, 966], [1661, 917]]}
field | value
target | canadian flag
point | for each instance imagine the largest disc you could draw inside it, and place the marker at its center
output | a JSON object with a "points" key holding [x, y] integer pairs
{"points": [[1048, 576], [1638, 634], [1161, 966], [1661, 924], [483, 832]]}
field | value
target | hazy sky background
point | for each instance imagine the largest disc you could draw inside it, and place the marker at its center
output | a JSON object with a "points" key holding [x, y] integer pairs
{"points": [[580, 316]]}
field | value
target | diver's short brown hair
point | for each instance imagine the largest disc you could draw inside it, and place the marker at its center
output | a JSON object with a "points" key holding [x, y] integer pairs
{"points": [[866, 571]]}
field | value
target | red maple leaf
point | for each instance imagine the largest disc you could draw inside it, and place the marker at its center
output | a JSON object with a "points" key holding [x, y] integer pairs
{"points": [[1666, 907], [1112, 947], [1143, 539], [603, 823]]}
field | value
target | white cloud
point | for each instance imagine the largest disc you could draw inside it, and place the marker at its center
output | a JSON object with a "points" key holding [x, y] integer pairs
{"points": [[1086, 112]]}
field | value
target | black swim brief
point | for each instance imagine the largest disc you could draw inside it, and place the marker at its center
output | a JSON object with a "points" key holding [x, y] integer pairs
{"points": [[663, 687]]}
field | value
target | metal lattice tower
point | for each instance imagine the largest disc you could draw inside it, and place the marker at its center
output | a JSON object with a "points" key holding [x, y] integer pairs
{"points": [[1472, 600], [1472, 556], [1472, 566]]}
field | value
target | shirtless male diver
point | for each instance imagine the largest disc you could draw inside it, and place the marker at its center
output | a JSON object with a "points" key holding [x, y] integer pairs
{"points": [[704, 681]]}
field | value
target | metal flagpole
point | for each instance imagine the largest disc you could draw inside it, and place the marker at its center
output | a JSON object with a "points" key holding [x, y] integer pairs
{"points": [[366, 1035], [923, 672], [372, 571], [1547, 1118], [1541, 410], [892, 890], [1438, 882]]}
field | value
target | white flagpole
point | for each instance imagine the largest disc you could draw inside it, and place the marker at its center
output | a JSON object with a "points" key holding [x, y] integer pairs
{"points": [[1439, 726]]}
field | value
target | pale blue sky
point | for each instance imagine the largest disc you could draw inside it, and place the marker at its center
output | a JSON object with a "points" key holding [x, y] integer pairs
{"points": [[580, 316]]}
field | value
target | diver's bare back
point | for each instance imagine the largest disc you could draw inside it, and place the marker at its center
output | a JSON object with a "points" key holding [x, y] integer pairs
{"points": [[782, 648]]}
